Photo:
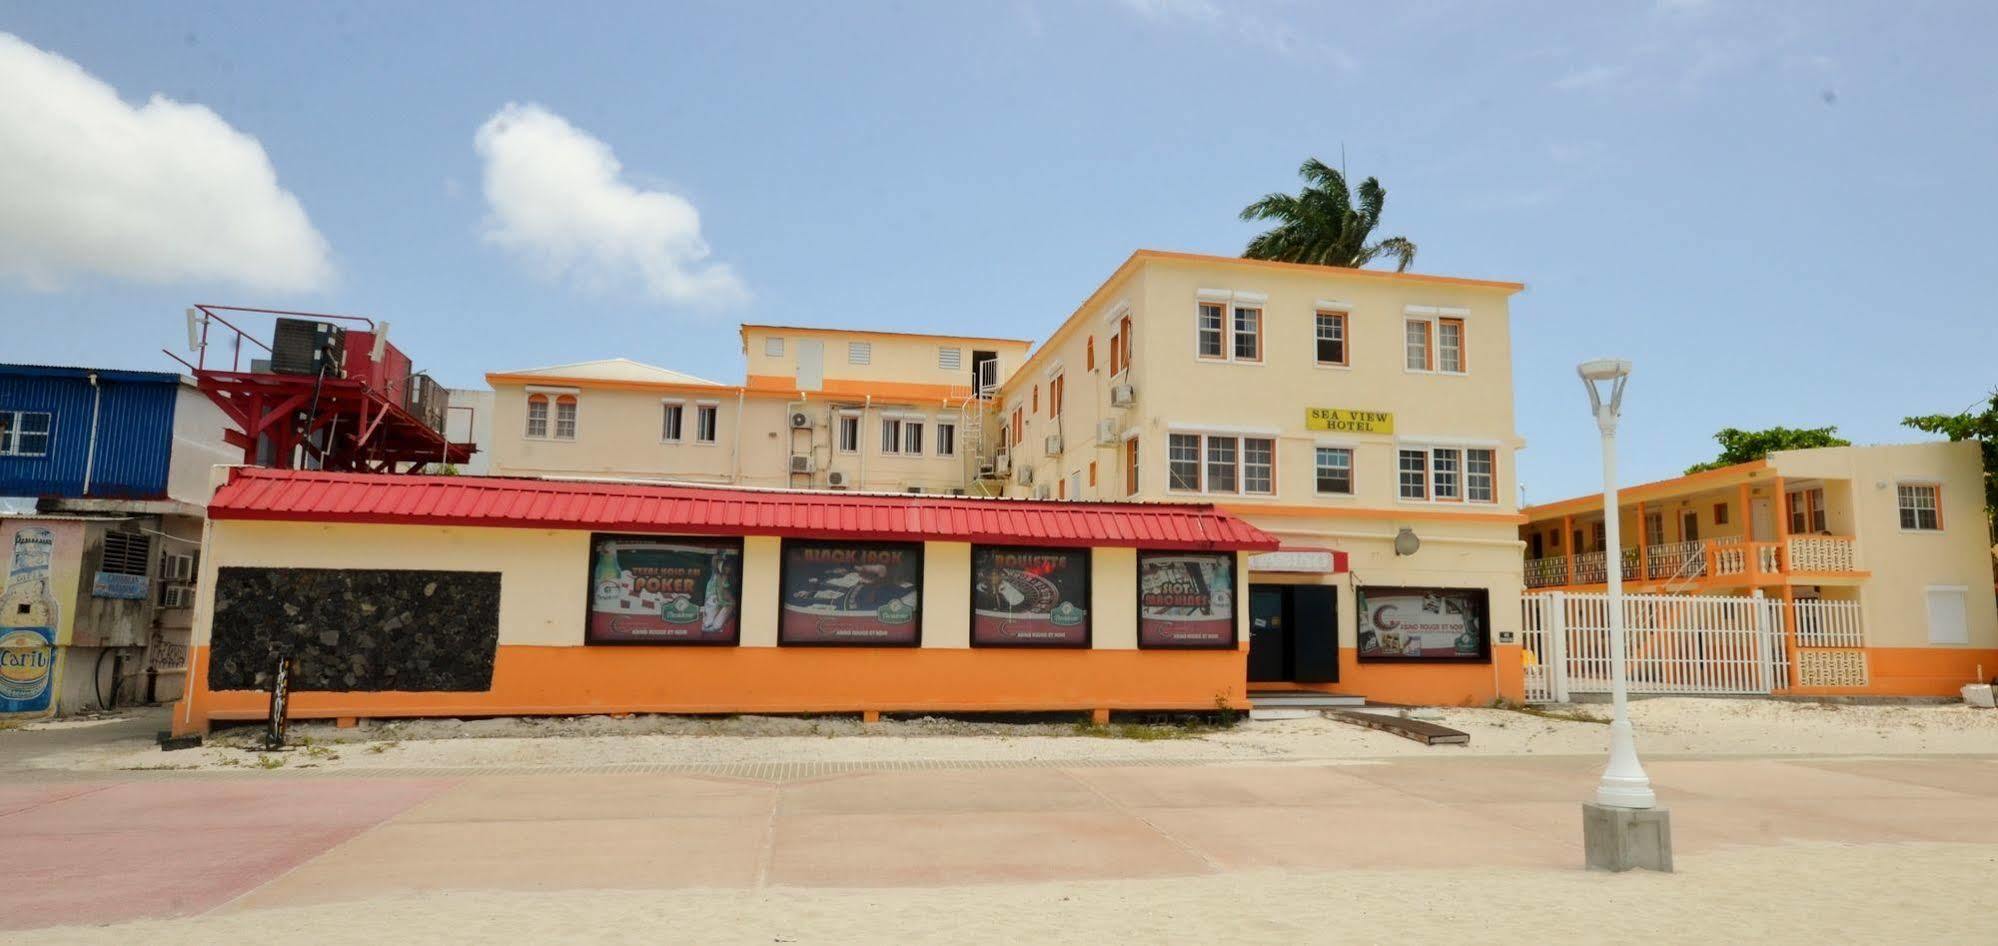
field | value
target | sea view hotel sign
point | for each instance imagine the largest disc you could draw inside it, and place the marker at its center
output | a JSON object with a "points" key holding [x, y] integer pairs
{"points": [[1344, 420]]}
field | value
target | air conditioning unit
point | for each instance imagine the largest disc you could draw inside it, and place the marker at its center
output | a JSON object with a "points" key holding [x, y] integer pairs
{"points": [[178, 568], [302, 346], [1106, 432], [1026, 476], [835, 479], [1054, 445], [1121, 395], [1043, 493], [1002, 464], [802, 463], [801, 420], [178, 596]]}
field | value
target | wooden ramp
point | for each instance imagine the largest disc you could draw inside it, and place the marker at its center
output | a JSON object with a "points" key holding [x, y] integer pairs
{"points": [[1429, 734]]}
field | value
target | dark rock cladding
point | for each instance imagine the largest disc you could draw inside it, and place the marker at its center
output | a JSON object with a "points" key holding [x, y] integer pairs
{"points": [[355, 629]]}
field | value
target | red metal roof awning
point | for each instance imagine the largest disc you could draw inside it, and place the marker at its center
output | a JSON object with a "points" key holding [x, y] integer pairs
{"points": [[502, 502]]}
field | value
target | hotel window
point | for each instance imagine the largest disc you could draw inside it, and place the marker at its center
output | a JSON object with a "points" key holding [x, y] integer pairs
{"points": [[1248, 333], [773, 347], [849, 433], [1413, 470], [1921, 506], [565, 417], [1217, 463], [946, 438], [1481, 476], [1417, 345], [891, 435], [912, 437], [1807, 511], [707, 420], [1054, 395], [537, 415], [670, 427], [1446, 471], [1183, 462], [26, 433], [1335, 471], [950, 359], [1212, 315], [1450, 345], [1331, 338], [859, 353], [1131, 467]]}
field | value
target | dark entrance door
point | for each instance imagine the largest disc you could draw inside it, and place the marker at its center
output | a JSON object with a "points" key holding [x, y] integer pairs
{"points": [[1293, 634]]}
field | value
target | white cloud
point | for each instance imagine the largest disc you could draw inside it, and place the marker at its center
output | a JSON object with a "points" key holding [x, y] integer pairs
{"points": [[558, 201], [162, 193], [1245, 25], [1590, 78]]}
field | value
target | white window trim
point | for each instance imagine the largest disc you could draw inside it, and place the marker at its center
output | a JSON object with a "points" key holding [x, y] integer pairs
{"points": [[1053, 368], [1116, 312], [1227, 316], [1434, 316], [1228, 299], [936, 442], [544, 389], [681, 403], [555, 420], [1332, 308], [1055, 408], [697, 441], [1463, 447], [1352, 470], [1241, 474], [1941, 526], [859, 431], [49, 436]]}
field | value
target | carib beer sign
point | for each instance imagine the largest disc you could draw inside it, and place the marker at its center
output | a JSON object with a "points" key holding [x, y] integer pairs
{"points": [[28, 625]]}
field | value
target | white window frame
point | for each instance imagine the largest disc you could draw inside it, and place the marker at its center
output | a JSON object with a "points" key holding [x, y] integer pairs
{"points": [[912, 436], [1240, 436], [1432, 318], [1200, 329], [1962, 595], [943, 425], [1318, 467], [891, 444], [1345, 337], [555, 417], [554, 396], [10, 439], [667, 405], [859, 353], [710, 409], [1230, 300], [1430, 447], [1935, 490], [1400, 472], [840, 422]]}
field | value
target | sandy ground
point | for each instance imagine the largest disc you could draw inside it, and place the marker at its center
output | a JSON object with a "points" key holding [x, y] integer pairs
{"points": [[1817, 893], [1665, 727]]}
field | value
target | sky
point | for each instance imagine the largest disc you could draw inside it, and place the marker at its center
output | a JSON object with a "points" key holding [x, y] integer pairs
{"points": [[1781, 212]]}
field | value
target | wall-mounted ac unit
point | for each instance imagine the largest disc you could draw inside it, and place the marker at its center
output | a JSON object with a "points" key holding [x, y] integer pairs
{"points": [[178, 596], [1121, 395], [1054, 445], [1026, 476], [1002, 464], [913, 489], [801, 420], [1043, 493], [177, 568], [802, 463], [836, 479], [1106, 432]]}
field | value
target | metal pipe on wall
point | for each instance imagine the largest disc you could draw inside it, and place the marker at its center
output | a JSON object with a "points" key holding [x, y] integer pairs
{"points": [[90, 456]]}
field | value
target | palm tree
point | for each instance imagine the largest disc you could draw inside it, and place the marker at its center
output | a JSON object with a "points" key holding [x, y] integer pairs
{"points": [[1321, 226]]}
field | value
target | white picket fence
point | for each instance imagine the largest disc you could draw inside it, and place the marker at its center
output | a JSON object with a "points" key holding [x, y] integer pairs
{"points": [[1693, 644]]}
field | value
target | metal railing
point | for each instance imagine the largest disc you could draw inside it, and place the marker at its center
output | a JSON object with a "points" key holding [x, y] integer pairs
{"points": [[1692, 644]]}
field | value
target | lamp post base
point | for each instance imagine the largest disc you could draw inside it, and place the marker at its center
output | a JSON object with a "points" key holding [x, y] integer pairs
{"points": [[1621, 839]]}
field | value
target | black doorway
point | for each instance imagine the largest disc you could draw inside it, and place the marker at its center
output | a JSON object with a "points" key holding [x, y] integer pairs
{"points": [[1293, 634]]}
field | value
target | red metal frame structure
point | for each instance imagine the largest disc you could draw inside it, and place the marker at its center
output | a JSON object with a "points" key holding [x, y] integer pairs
{"points": [[332, 423]]}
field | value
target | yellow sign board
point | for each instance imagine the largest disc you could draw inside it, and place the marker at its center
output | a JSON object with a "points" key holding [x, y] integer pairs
{"points": [[1348, 421]]}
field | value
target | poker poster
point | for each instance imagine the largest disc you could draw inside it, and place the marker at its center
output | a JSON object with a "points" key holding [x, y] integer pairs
{"points": [[858, 593], [664, 590], [1186, 599], [1426, 624], [1029, 597]]}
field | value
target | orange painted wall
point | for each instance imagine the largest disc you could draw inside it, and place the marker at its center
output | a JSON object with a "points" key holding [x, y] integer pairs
{"points": [[1919, 671], [535, 680], [1435, 684]]}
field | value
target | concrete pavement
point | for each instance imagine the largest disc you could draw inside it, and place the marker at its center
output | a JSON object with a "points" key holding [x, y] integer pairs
{"points": [[105, 850]]}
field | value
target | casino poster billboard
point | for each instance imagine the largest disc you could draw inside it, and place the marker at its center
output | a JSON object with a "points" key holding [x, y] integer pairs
{"points": [[1029, 597], [855, 593], [1424, 624], [1186, 599], [664, 590]]}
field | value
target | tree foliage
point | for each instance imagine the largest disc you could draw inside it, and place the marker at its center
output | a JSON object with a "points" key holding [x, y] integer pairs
{"points": [[1981, 426], [1324, 224], [1742, 446]]}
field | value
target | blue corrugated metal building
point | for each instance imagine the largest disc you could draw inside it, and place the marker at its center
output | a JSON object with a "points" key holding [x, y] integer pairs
{"points": [[85, 432]]}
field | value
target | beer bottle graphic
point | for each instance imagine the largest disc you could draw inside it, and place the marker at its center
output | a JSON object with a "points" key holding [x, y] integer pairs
{"points": [[27, 625]]}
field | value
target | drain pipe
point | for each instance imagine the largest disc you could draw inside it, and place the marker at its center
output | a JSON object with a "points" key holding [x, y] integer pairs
{"points": [[862, 445], [735, 459], [90, 457]]}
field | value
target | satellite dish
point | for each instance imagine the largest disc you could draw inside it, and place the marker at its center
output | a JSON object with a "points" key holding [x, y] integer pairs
{"points": [[381, 341], [195, 322]]}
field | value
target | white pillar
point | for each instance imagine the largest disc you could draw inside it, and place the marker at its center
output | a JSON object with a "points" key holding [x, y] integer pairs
{"points": [[1624, 784]]}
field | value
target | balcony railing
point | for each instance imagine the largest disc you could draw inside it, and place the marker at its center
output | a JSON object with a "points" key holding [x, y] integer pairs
{"points": [[1720, 557]]}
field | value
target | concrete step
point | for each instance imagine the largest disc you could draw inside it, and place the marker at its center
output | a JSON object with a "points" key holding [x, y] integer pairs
{"points": [[1293, 699]]}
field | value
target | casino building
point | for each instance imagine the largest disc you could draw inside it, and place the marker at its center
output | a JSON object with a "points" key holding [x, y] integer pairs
{"points": [[885, 522]]}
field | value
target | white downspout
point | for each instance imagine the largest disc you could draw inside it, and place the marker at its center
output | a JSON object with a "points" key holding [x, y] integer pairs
{"points": [[862, 445], [735, 460], [90, 457]]}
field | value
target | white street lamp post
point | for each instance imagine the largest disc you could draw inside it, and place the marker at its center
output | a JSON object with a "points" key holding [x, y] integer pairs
{"points": [[1624, 784]]}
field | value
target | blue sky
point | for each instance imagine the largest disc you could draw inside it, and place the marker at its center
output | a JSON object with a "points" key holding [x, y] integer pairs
{"points": [[1781, 211]]}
